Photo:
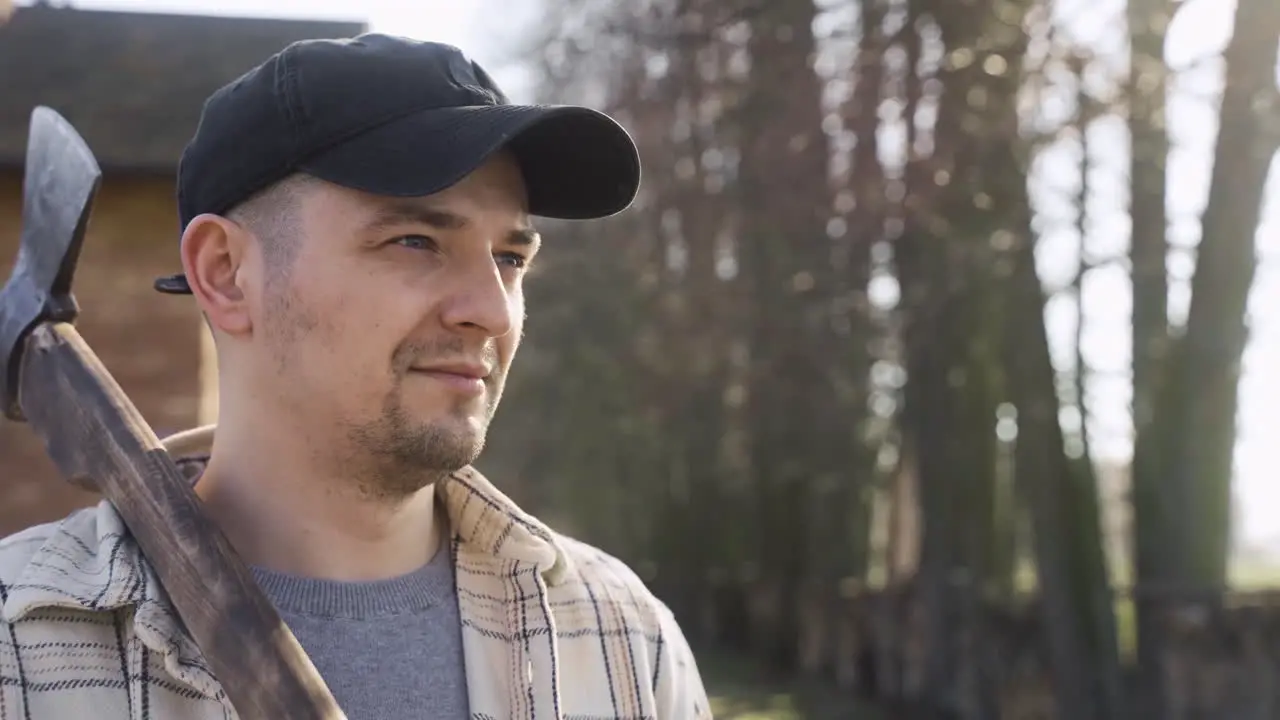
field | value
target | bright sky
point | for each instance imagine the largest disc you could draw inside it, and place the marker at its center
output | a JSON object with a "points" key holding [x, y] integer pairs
{"points": [[464, 23], [1201, 29]]}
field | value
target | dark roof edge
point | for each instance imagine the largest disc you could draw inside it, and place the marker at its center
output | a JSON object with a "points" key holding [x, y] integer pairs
{"points": [[353, 22]]}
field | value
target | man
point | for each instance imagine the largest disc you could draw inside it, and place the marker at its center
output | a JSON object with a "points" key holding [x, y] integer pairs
{"points": [[355, 230]]}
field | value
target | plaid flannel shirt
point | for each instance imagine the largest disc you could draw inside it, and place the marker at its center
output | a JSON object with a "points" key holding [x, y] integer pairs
{"points": [[552, 628]]}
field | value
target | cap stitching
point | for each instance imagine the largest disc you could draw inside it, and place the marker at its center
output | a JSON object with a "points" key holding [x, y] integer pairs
{"points": [[287, 94]]}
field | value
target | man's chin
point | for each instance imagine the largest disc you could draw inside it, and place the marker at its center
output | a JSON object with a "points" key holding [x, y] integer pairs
{"points": [[459, 438]]}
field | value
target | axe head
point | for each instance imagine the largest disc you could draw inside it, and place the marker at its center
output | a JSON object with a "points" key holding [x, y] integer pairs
{"points": [[60, 181]]}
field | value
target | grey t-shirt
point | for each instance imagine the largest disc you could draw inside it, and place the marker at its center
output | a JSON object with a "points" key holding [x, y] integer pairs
{"points": [[389, 649]]}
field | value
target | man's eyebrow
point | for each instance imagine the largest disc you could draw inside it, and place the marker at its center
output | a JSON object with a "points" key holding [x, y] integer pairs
{"points": [[398, 214], [525, 237]]}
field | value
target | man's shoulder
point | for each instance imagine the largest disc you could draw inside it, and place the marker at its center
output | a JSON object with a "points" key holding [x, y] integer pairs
{"points": [[602, 605], [74, 597], [82, 561], [598, 590], [18, 550], [49, 636], [594, 571]]}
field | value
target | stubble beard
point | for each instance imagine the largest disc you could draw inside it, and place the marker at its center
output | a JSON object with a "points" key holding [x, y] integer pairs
{"points": [[394, 456], [408, 455]]}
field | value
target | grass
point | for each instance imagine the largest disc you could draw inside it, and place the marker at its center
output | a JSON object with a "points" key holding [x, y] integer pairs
{"points": [[1255, 574], [740, 690]]}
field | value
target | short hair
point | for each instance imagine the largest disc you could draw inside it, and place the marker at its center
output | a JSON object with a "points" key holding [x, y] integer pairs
{"points": [[272, 215]]}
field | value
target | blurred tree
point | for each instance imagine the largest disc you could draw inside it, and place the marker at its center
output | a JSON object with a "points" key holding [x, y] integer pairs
{"points": [[1185, 409], [828, 293]]}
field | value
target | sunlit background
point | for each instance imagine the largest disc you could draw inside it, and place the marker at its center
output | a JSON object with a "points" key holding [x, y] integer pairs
{"points": [[494, 32]]}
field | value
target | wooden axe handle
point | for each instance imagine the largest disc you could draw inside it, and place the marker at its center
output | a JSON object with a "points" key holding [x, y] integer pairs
{"points": [[97, 437]]}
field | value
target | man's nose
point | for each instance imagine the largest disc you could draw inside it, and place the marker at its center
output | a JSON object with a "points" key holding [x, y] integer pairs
{"points": [[480, 300]]}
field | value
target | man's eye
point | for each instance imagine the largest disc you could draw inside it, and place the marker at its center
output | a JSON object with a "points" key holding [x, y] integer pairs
{"points": [[515, 260], [416, 242]]}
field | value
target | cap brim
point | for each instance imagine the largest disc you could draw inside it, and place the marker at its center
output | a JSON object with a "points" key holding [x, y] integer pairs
{"points": [[577, 163], [173, 285]]}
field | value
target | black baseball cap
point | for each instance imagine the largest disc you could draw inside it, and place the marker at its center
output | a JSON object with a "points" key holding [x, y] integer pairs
{"points": [[398, 117]]}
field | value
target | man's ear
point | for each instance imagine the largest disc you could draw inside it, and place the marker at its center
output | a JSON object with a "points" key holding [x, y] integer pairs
{"points": [[219, 261]]}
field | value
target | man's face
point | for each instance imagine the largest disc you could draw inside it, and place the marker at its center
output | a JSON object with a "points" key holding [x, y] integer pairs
{"points": [[397, 320]]}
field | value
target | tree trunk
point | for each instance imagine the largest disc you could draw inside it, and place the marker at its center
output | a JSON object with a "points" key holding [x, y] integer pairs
{"points": [[786, 201], [1154, 528], [1202, 393], [1067, 534]]}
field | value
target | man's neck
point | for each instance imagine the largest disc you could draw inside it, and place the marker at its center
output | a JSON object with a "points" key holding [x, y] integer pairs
{"points": [[281, 512]]}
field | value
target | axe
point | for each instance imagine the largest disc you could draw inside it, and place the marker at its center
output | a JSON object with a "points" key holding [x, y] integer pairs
{"points": [[98, 439]]}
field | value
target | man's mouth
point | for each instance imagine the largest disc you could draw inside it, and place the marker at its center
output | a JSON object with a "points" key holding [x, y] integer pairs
{"points": [[464, 377]]}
